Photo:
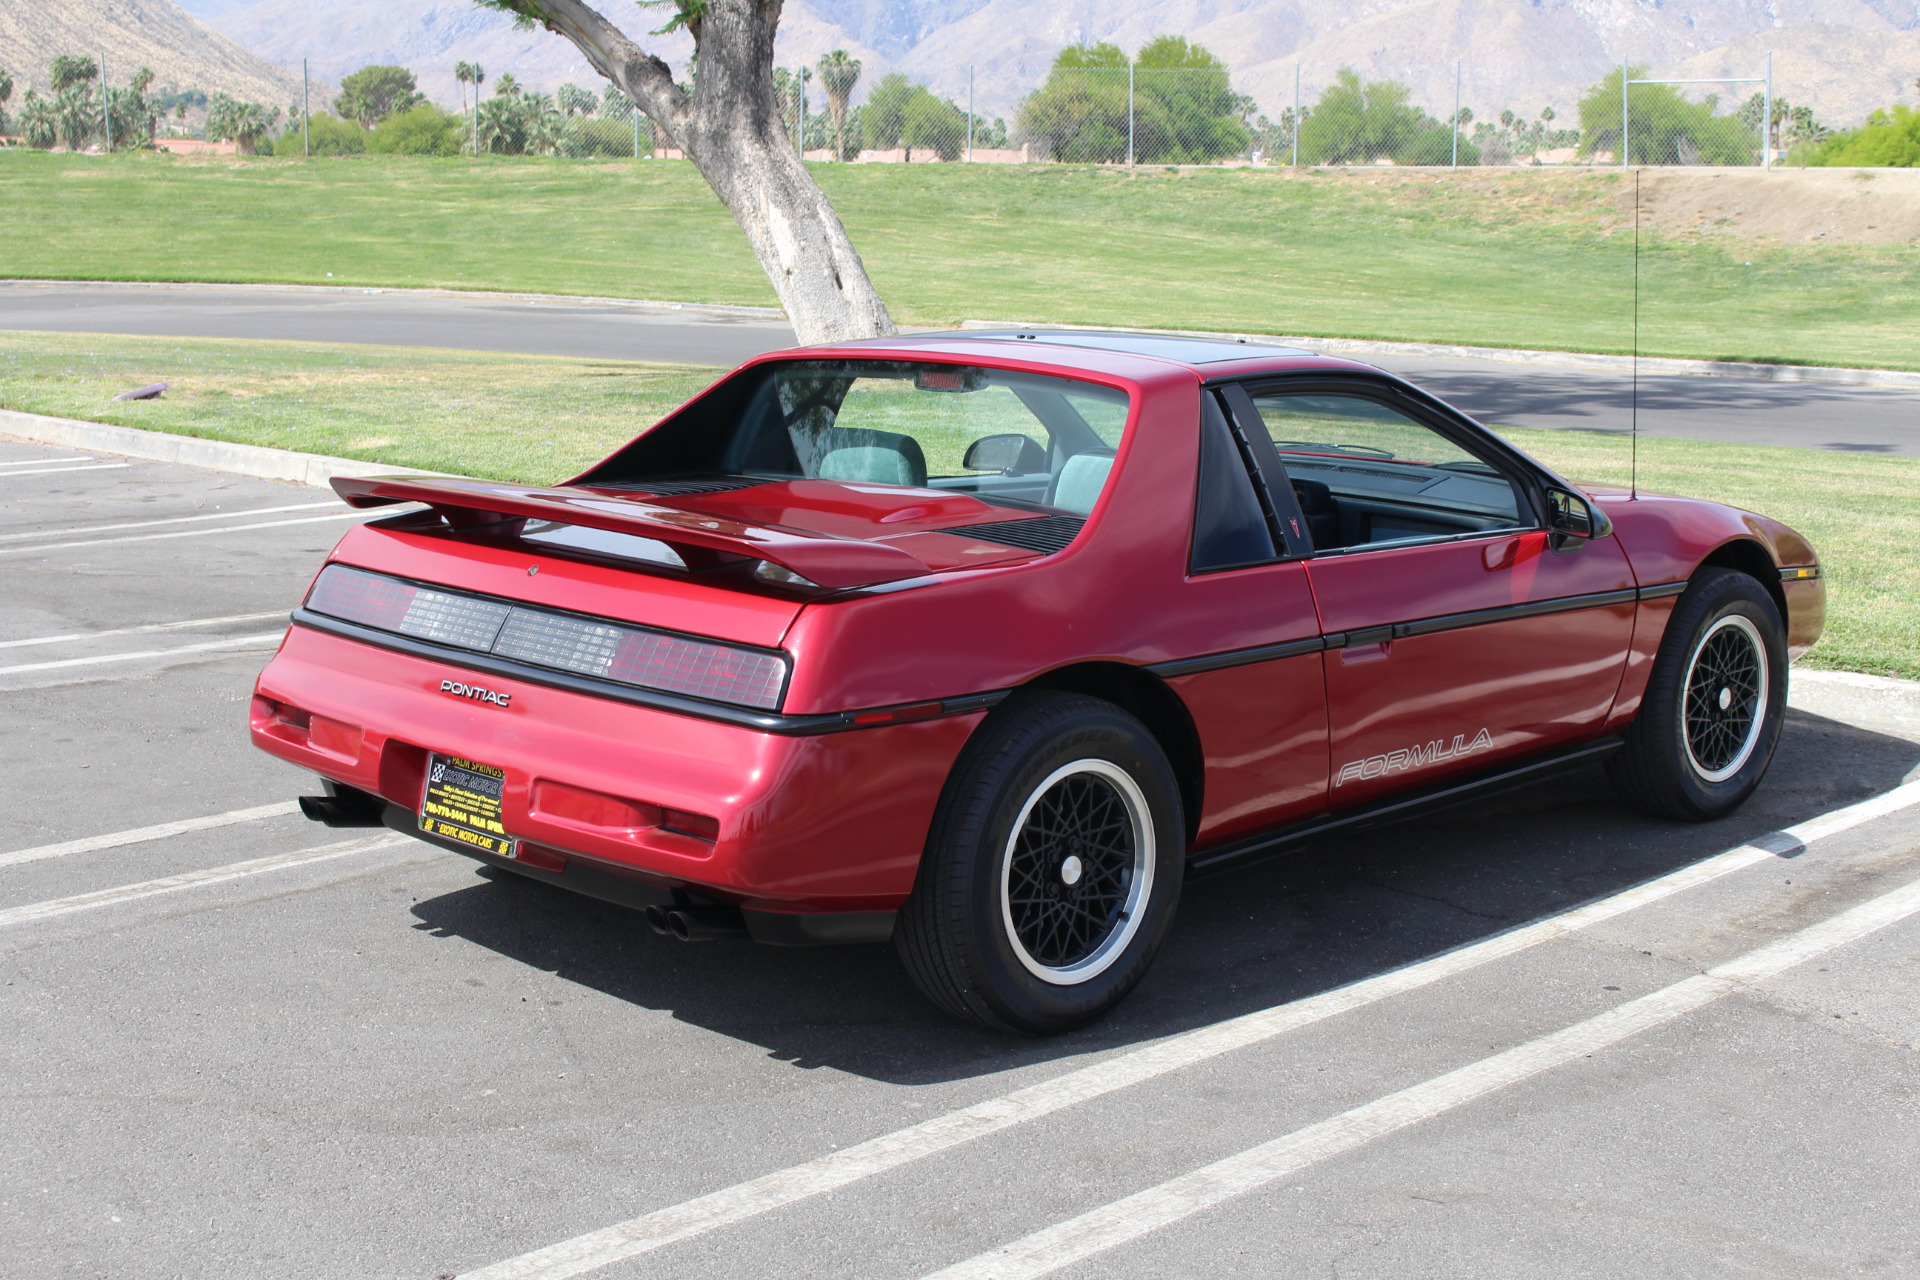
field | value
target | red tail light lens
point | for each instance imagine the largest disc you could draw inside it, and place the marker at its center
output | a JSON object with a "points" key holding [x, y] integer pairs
{"points": [[586, 646], [697, 825]]}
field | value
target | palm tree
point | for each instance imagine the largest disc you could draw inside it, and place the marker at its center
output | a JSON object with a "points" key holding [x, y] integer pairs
{"points": [[838, 74], [37, 122], [76, 115], [463, 72], [6, 92], [67, 71]]}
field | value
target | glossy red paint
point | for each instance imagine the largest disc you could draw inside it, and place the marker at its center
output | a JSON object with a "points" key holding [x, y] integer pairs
{"points": [[1435, 661]]}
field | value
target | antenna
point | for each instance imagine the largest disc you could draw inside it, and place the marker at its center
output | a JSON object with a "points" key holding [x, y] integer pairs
{"points": [[1633, 481]]}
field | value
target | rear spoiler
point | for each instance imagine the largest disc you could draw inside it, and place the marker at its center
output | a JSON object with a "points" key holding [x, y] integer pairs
{"points": [[700, 539]]}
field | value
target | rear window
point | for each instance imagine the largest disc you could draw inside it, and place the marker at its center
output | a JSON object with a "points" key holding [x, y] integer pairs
{"points": [[1025, 438]]}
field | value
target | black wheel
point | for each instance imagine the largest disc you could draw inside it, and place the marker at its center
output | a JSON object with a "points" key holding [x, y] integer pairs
{"points": [[1711, 717], [1052, 870]]}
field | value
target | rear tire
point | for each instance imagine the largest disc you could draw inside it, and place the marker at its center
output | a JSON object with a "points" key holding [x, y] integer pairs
{"points": [[1052, 870], [1711, 717]]}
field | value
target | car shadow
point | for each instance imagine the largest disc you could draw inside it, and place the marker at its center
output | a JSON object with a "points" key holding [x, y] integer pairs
{"points": [[1330, 914]]}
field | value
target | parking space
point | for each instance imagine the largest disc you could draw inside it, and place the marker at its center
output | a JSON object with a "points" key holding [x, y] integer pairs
{"points": [[1541, 1036]]}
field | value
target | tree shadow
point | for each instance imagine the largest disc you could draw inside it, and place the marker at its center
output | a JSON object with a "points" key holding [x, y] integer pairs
{"points": [[1333, 913]]}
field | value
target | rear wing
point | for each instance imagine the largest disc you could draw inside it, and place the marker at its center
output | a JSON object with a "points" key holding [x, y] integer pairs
{"points": [[700, 539]]}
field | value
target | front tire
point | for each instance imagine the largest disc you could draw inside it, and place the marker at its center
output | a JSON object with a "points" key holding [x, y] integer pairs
{"points": [[1714, 705], [1052, 870]]}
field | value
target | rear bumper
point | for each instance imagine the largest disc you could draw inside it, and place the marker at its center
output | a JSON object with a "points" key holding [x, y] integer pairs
{"points": [[830, 824]]}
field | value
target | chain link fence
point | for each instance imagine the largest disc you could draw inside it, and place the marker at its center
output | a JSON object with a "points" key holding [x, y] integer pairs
{"points": [[1127, 115]]}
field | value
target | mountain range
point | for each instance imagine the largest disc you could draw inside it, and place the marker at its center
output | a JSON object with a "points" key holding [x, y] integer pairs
{"points": [[182, 50], [1841, 57]]}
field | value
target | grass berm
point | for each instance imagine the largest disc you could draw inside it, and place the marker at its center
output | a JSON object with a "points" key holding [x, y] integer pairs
{"points": [[1515, 258], [540, 419]]}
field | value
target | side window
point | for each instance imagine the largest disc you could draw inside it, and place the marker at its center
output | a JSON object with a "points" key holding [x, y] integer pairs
{"points": [[1366, 474], [1230, 526]]}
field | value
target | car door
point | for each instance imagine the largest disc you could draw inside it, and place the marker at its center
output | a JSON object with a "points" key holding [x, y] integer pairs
{"points": [[1252, 683], [1460, 631]]}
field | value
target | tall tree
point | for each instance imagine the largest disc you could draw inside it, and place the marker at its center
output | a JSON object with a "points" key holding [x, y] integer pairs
{"points": [[66, 71], [371, 94], [729, 125], [6, 92], [838, 74], [463, 72]]}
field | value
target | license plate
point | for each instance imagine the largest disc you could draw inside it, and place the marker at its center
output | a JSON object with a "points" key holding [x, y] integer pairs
{"points": [[462, 803]]}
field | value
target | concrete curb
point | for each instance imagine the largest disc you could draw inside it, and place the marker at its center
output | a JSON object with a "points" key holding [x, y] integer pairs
{"points": [[1872, 702], [1818, 375], [641, 304], [313, 469]]}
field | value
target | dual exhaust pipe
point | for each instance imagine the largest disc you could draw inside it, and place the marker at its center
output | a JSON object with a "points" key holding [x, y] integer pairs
{"points": [[698, 924]]}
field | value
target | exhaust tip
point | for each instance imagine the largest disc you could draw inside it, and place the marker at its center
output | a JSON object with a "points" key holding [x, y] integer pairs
{"points": [[657, 921], [682, 927]]}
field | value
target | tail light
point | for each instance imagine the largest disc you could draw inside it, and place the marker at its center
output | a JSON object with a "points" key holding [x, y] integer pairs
{"points": [[562, 642]]}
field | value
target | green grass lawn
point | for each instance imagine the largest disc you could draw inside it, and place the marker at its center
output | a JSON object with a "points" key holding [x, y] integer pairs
{"points": [[541, 419], [1506, 259]]}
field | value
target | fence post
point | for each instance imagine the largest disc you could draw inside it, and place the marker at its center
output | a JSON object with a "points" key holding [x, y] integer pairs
{"points": [[1766, 120], [1456, 113], [1129, 115], [800, 87], [106, 102], [1623, 111], [306, 115], [636, 133], [969, 113], [1296, 115]]}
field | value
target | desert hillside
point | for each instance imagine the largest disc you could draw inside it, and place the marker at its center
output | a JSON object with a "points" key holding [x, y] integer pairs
{"points": [[183, 51]]}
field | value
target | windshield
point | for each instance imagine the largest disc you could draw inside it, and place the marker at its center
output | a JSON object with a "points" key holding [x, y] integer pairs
{"points": [[1020, 437]]}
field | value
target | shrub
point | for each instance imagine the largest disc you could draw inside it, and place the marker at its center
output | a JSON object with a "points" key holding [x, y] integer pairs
{"points": [[1887, 140], [424, 130], [330, 136]]}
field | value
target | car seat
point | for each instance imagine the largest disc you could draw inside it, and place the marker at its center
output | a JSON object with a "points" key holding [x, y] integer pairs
{"points": [[1080, 481], [1322, 513], [876, 457]]}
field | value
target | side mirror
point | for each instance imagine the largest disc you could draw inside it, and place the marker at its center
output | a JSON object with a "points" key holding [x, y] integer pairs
{"points": [[1573, 519], [1011, 455]]}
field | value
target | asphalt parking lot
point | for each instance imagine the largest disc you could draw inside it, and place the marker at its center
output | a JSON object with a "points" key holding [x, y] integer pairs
{"points": [[1538, 1037]]}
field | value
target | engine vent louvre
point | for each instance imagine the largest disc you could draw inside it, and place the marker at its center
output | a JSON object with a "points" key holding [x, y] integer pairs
{"points": [[1045, 534], [682, 488]]}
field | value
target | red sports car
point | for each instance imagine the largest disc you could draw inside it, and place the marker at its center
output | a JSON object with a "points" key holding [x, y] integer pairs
{"points": [[983, 642]]}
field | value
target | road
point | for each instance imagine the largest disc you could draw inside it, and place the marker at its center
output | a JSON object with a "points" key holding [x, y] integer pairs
{"points": [[1860, 419], [244, 1046]]}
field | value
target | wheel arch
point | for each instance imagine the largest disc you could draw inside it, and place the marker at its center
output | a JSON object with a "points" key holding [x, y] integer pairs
{"points": [[1149, 700], [1744, 555]]}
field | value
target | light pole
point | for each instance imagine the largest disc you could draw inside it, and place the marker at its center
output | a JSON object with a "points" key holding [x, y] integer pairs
{"points": [[306, 115], [1129, 115], [1456, 114], [969, 113], [1296, 115], [106, 103], [1623, 111]]}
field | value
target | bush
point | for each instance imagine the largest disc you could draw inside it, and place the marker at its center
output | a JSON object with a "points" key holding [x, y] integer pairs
{"points": [[424, 130], [1361, 122], [1887, 140], [330, 136]]}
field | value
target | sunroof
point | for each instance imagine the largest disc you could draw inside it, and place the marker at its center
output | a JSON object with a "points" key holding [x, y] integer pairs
{"points": [[1184, 350]]}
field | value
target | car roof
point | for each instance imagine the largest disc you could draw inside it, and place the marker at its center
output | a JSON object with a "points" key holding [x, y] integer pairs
{"points": [[1071, 347]]}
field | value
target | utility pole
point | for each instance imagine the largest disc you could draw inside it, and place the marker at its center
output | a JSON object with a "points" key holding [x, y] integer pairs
{"points": [[1296, 115], [306, 115], [1766, 119], [1623, 111], [1129, 115], [969, 113], [1456, 114]]}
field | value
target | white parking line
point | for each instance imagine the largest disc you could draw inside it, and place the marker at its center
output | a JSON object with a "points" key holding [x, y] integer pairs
{"points": [[207, 646], [141, 835], [185, 533], [144, 629], [189, 879], [43, 462], [54, 471], [903, 1146], [1128, 1219], [149, 524]]}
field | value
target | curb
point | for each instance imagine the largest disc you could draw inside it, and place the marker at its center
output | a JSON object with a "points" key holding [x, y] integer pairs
{"points": [[254, 460], [1820, 375], [643, 304], [1881, 703]]}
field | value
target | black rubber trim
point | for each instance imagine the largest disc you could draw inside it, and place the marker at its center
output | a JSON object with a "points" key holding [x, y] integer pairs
{"points": [[1800, 573], [1399, 807], [1238, 657], [764, 721], [1506, 613], [819, 929], [1662, 590]]}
